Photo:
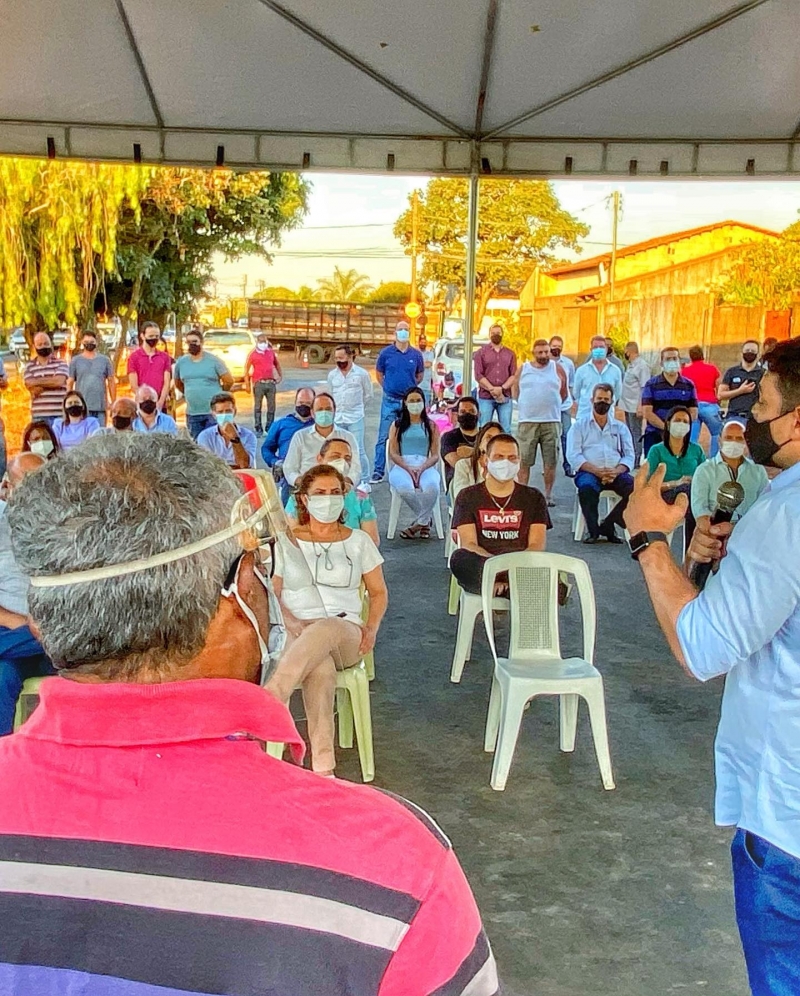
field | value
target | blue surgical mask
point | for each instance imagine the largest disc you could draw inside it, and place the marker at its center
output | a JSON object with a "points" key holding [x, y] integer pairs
{"points": [[402, 335], [323, 418], [224, 418], [671, 366], [599, 353]]}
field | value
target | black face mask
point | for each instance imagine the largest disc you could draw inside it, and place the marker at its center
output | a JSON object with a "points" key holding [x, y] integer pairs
{"points": [[152, 343], [602, 407], [760, 442], [343, 364], [75, 410], [468, 421], [90, 347], [121, 421], [148, 407], [303, 410], [44, 350], [749, 357], [194, 348], [555, 352]]}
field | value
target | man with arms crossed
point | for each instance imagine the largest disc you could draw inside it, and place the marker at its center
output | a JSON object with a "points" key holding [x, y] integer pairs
{"points": [[745, 624]]}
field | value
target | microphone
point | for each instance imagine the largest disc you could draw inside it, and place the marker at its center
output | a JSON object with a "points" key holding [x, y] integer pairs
{"points": [[729, 497]]}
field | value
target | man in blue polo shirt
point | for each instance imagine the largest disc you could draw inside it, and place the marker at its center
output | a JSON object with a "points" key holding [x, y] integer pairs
{"points": [[399, 368], [662, 393]]}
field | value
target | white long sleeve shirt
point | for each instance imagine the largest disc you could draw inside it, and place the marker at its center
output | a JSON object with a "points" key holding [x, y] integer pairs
{"points": [[304, 449], [351, 391]]}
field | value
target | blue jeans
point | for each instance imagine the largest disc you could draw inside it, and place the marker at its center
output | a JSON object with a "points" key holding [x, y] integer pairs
{"points": [[390, 410], [100, 416], [489, 407], [21, 657], [196, 423], [766, 887], [357, 429], [566, 425], [708, 414]]}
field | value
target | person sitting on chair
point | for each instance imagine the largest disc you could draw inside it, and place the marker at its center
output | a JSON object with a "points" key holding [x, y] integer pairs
{"points": [[682, 458], [601, 454], [469, 470], [414, 455]]}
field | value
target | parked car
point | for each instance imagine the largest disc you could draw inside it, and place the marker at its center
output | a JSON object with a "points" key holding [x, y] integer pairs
{"points": [[18, 344], [448, 355], [232, 346]]}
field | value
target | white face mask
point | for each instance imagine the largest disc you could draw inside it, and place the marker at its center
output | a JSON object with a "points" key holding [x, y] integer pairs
{"points": [[325, 508], [415, 407], [679, 430], [42, 447], [732, 450], [502, 470], [343, 466]]}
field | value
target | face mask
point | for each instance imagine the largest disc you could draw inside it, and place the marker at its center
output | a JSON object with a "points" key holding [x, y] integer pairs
{"points": [[42, 447], [749, 357], [44, 350], [502, 470], [599, 353], [90, 347], [148, 407], [343, 466], [602, 407], [303, 410], [402, 335], [496, 339], [224, 418], [121, 421], [761, 442], [679, 430], [555, 352], [194, 348], [732, 450], [270, 648], [325, 508], [262, 347], [75, 410], [468, 421], [671, 366], [323, 418], [152, 343], [343, 364], [415, 407]]}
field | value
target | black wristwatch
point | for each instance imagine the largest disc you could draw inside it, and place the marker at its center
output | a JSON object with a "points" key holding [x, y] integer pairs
{"points": [[640, 542], [236, 439]]}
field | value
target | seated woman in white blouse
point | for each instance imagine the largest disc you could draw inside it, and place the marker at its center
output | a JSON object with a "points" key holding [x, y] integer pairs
{"points": [[318, 584]]}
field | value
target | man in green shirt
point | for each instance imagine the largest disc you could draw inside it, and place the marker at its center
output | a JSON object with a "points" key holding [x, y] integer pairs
{"points": [[199, 376]]}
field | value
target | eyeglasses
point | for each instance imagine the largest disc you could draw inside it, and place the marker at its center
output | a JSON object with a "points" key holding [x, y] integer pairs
{"points": [[327, 572]]}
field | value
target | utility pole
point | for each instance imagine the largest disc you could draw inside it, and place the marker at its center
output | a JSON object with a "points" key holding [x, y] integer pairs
{"points": [[414, 240], [612, 277], [244, 286]]}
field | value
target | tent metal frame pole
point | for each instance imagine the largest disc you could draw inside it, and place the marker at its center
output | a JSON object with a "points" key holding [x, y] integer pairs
{"points": [[472, 254]]}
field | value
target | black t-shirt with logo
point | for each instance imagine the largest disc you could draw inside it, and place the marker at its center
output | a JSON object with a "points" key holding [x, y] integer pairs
{"points": [[451, 441], [502, 524], [734, 378]]}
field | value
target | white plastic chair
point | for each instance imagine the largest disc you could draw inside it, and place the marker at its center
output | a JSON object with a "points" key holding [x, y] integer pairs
{"points": [[534, 665], [469, 608], [27, 701], [611, 498], [394, 508]]}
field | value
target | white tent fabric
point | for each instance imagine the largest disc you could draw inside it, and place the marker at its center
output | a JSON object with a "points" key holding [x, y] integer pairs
{"points": [[512, 87]]}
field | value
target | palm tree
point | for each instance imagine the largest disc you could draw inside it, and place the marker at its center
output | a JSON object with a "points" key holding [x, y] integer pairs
{"points": [[344, 286]]}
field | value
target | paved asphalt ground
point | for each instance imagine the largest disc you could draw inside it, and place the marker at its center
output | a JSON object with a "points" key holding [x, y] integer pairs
{"points": [[583, 891], [623, 893]]}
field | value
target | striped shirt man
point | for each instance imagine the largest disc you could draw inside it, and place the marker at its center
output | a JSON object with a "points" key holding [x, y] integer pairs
{"points": [[46, 402], [150, 847]]}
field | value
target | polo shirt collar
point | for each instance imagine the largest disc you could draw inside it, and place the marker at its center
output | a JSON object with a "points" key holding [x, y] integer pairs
{"points": [[124, 714]]}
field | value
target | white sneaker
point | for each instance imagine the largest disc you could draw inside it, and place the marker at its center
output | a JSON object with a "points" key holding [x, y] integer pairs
{"points": [[364, 487]]}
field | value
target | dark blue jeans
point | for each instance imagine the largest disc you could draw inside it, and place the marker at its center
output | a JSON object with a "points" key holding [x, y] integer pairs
{"points": [[196, 423], [589, 488], [21, 657], [390, 410], [766, 886]]}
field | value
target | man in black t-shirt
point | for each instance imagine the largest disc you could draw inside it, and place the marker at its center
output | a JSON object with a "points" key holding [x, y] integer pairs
{"points": [[498, 516], [739, 385], [458, 443]]}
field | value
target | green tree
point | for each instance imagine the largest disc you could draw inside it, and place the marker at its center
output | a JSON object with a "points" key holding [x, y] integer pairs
{"points": [[306, 293], [521, 225], [765, 272], [390, 292], [60, 227], [276, 294], [344, 285]]}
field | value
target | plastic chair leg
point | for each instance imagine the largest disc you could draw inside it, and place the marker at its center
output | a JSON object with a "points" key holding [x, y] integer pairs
{"points": [[493, 717], [578, 521], [369, 665], [568, 721], [469, 610], [344, 708], [437, 518], [275, 750], [510, 718], [359, 691], [455, 594], [595, 699], [394, 515]]}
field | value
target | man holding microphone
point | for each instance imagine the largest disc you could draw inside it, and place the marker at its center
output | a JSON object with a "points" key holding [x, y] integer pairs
{"points": [[746, 625]]}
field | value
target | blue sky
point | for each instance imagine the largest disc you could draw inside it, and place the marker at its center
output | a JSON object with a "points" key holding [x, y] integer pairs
{"points": [[351, 218]]}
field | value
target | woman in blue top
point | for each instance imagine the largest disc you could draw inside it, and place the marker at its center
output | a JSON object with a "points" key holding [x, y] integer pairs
{"points": [[76, 424], [414, 456], [681, 457]]}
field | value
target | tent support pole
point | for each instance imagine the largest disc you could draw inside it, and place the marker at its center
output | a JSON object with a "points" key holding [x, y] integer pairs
{"points": [[472, 250]]}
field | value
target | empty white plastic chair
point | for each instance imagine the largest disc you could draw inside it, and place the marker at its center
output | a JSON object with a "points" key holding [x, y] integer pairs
{"points": [[534, 665], [394, 508]]}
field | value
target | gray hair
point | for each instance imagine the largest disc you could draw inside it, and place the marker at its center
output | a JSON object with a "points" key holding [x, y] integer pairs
{"points": [[146, 391], [116, 498]]}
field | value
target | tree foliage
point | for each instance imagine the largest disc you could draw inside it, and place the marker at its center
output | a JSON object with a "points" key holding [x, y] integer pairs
{"points": [[276, 294], [390, 292], [521, 225], [765, 273], [344, 285]]}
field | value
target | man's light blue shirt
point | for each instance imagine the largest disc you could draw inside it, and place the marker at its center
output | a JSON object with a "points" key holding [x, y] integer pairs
{"points": [[586, 380], [605, 447], [163, 423], [746, 624], [211, 439], [708, 477]]}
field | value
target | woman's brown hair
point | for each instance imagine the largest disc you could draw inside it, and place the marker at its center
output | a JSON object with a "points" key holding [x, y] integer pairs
{"points": [[305, 482]]}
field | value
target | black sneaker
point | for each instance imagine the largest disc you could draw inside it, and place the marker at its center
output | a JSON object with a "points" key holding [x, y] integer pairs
{"points": [[376, 479], [590, 540]]}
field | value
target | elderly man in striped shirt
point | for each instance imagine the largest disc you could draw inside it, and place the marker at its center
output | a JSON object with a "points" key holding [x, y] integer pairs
{"points": [[46, 378]]}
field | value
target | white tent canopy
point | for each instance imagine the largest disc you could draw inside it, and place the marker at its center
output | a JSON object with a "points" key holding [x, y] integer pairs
{"points": [[512, 87]]}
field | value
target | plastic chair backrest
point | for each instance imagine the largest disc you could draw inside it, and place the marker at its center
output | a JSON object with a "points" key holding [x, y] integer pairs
{"points": [[533, 591]]}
